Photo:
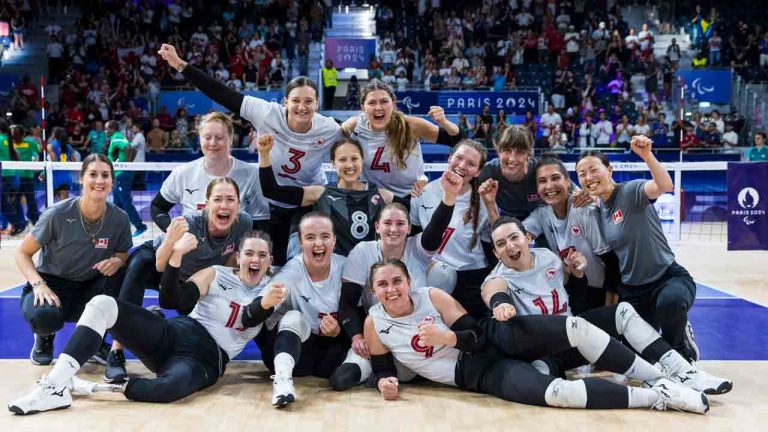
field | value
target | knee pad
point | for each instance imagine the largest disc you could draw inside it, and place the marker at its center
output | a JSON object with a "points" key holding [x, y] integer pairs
{"points": [[100, 314], [588, 339], [353, 371], [293, 321], [566, 394], [541, 366], [442, 276], [633, 327], [46, 320]]}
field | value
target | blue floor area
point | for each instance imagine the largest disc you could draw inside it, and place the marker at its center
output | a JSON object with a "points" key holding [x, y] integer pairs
{"points": [[727, 328]]}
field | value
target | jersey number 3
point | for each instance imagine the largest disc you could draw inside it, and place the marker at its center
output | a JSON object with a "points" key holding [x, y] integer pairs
{"points": [[295, 161], [376, 164]]}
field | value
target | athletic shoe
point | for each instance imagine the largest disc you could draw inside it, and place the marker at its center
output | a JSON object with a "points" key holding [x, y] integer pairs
{"points": [[102, 355], [157, 310], [42, 350], [43, 397], [115, 372], [691, 349], [140, 230], [702, 381], [283, 392], [676, 396]]}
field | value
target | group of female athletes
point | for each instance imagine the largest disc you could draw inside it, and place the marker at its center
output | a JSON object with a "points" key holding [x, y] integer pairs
{"points": [[376, 278]]}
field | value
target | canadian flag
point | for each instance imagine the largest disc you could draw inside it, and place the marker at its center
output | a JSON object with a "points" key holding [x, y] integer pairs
{"points": [[101, 243], [618, 216]]}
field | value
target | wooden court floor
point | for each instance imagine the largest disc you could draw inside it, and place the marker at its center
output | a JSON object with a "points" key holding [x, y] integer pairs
{"points": [[241, 399]]}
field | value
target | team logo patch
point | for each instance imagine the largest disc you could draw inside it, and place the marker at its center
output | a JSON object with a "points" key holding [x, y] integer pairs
{"points": [[550, 273], [618, 216], [101, 243], [576, 230], [319, 142], [229, 249], [201, 206], [375, 199], [533, 197]]}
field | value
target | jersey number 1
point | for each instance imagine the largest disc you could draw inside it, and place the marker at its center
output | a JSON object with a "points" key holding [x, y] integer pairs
{"points": [[557, 309], [376, 164]]}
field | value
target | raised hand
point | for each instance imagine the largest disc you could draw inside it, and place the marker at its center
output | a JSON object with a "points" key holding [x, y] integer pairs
{"points": [[275, 294], [641, 145], [576, 262], [437, 114], [169, 54], [488, 190], [176, 229], [451, 183], [186, 243], [264, 143]]}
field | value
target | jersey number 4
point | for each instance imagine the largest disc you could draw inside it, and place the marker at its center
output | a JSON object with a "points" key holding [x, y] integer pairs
{"points": [[557, 308], [295, 161], [235, 307], [376, 164]]}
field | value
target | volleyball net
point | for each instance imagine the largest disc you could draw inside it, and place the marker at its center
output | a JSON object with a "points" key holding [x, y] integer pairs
{"points": [[695, 211]]}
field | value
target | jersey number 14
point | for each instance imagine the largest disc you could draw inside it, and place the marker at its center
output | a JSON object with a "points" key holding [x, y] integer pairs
{"points": [[557, 308]]}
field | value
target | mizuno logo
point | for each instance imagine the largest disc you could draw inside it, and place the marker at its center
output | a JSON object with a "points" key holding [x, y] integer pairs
{"points": [[332, 198], [191, 191], [59, 393], [306, 299], [683, 378], [427, 207], [71, 220], [386, 331], [517, 290], [224, 287]]}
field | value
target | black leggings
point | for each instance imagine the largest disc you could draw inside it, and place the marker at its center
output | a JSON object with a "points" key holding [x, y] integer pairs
{"points": [[468, 292], [282, 222], [141, 274], [179, 350], [47, 319], [318, 356]]}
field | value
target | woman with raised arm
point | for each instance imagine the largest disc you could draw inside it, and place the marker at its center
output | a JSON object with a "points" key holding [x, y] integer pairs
{"points": [[431, 334], [226, 308], [392, 157], [659, 288], [302, 136], [351, 203]]}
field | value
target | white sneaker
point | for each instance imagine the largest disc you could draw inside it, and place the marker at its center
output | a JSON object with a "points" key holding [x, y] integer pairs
{"points": [[676, 396], [702, 381], [283, 392], [43, 397]]}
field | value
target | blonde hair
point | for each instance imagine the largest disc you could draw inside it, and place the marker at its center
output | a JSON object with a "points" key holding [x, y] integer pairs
{"points": [[401, 138], [218, 116]]}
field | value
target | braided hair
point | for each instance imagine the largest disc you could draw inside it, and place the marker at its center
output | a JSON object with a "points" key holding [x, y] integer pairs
{"points": [[473, 212]]}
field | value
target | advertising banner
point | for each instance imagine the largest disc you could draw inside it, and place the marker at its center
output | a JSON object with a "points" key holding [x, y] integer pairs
{"points": [[707, 85], [747, 206], [350, 52], [514, 103]]}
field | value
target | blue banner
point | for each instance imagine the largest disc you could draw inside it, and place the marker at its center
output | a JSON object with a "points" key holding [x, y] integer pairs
{"points": [[747, 206], [350, 52], [707, 85], [469, 102], [197, 102]]}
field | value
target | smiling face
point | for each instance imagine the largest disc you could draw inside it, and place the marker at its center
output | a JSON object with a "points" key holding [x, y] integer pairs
{"points": [[552, 185], [348, 162], [391, 285], [594, 176], [215, 140], [96, 180], [301, 105], [222, 205], [317, 241], [514, 163], [378, 106], [254, 260], [465, 161], [393, 227], [511, 246]]}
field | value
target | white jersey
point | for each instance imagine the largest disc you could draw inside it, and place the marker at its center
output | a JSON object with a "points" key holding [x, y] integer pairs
{"points": [[221, 310], [401, 337], [365, 254], [580, 230], [297, 158], [455, 249], [187, 185], [313, 299], [378, 166], [538, 291]]}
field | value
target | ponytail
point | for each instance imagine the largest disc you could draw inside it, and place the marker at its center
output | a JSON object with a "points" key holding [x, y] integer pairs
{"points": [[401, 139], [473, 212]]}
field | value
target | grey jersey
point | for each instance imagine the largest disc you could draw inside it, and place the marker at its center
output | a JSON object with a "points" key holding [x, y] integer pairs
{"points": [[538, 291], [455, 249], [633, 230], [379, 168], [220, 311], [297, 158], [313, 299], [210, 250], [68, 251], [516, 199], [365, 254], [580, 230], [401, 337], [187, 185]]}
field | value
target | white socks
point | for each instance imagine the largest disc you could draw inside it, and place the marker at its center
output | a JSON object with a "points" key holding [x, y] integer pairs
{"points": [[284, 364], [65, 368]]}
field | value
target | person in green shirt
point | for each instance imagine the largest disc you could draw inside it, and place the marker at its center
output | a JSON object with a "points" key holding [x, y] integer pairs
{"points": [[759, 152], [96, 138], [28, 150], [10, 204], [120, 150]]}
